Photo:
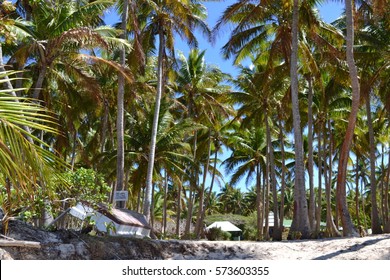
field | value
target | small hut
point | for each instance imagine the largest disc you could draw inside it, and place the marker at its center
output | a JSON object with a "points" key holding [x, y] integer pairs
{"points": [[228, 227]]}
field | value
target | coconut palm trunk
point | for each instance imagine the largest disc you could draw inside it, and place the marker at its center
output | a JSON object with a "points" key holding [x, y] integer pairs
{"points": [[259, 204], [357, 208], [320, 164], [178, 211], [310, 154], [120, 126], [375, 223], [104, 121], [277, 232], [152, 146], [386, 199], [300, 219], [266, 203], [201, 210], [331, 228], [283, 183], [39, 83], [193, 186], [383, 182], [165, 216], [206, 206], [348, 228]]}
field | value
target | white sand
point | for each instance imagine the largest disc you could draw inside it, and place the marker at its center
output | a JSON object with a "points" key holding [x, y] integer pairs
{"points": [[374, 247]]}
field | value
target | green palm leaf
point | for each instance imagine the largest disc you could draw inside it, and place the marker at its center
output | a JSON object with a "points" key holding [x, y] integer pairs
{"points": [[26, 162]]}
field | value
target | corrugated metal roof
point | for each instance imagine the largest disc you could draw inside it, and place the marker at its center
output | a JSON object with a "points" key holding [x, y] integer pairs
{"points": [[124, 216]]}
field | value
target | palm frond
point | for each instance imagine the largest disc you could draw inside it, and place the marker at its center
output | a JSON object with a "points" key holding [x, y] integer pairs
{"points": [[25, 159]]}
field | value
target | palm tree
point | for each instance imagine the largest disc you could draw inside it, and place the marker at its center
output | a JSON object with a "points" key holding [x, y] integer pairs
{"points": [[214, 138], [372, 61], [310, 153], [131, 22], [167, 19], [333, 107], [120, 105], [301, 219], [375, 223], [202, 98], [171, 152], [232, 200], [161, 209], [348, 228], [261, 94], [213, 204], [59, 30], [248, 159], [14, 30]]}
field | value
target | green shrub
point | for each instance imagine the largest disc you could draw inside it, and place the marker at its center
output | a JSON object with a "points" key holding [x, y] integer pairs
{"points": [[214, 234], [226, 235], [86, 185], [249, 231]]}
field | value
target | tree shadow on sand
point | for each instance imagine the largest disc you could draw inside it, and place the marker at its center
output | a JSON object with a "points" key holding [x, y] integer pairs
{"points": [[353, 248]]}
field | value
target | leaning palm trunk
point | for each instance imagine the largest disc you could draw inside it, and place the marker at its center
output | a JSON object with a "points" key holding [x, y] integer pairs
{"points": [[300, 219], [348, 228], [375, 223], [152, 147]]}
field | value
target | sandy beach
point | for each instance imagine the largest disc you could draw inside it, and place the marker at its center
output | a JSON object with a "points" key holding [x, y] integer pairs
{"points": [[366, 248], [69, 245]]}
